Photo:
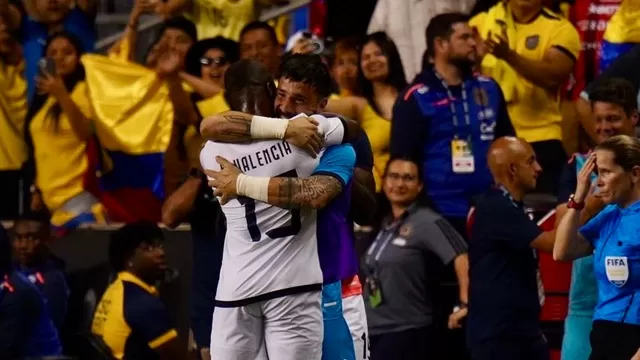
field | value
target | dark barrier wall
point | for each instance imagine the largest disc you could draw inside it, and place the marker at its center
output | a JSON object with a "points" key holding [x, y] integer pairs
{"points": [[86, 250]]}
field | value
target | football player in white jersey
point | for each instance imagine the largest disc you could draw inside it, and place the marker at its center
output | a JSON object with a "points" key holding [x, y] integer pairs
{"points": [[269, 288], [296, 95]]}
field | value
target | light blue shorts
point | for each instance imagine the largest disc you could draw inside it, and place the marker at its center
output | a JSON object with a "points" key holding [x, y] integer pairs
{"points": [[337, 343]]}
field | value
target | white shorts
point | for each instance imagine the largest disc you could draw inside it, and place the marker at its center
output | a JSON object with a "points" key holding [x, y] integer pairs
{"points": [[290, 327], [356, 317]]}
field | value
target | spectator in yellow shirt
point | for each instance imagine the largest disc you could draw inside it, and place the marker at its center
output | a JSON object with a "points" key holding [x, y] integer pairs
{"points": [[216, 17], [380, 78], [530, 52], [13, 108], [58, 126]]}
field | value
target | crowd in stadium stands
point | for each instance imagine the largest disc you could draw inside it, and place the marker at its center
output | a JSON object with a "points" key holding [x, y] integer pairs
{"points": [[500, 142]]}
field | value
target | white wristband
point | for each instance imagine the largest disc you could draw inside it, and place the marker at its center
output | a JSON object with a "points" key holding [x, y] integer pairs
{"points": [[268, 128], [254, 187]]}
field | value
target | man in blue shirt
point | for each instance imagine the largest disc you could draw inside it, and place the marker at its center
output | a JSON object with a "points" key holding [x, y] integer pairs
{"points": [[447, 119], [613, 104], [35, 261], [26, 327]]}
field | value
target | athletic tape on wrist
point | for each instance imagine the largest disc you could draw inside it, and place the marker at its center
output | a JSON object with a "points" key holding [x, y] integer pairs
{"points": [[268, 128], [255, 187]]}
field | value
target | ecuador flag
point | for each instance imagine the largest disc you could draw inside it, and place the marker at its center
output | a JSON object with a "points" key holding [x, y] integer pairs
{"points": [[133, 121], [623, 32]]}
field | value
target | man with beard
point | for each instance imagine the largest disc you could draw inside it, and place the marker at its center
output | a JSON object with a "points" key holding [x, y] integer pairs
{"points": [[613, 105], [447, 119]]}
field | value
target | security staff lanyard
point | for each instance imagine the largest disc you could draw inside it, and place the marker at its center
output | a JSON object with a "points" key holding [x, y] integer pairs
{"points": [[382, 240], [452, 105]]}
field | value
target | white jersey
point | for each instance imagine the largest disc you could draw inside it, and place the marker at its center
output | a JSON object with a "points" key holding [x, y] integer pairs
{"points": [[268, 251]]}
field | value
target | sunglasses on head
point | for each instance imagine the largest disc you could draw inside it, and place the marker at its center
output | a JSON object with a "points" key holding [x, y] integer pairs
{"points": [[207, 61]]}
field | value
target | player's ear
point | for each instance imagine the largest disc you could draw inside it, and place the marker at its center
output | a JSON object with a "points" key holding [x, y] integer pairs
{"points": [[322, 104]]}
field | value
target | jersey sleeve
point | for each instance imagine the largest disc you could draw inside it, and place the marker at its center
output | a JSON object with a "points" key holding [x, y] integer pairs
{"points": [[593, 230], [443, 240], [624, 67], [567, 40], [208, 157], [337, 161], [333, 129], [149, 319]]}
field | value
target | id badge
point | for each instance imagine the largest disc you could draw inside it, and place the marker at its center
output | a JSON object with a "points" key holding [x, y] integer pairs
{"points": [[375, 294], [462, 160], [617, 268]]}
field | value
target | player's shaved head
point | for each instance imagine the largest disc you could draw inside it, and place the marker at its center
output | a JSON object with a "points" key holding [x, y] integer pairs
{"points": [[508, 153]]}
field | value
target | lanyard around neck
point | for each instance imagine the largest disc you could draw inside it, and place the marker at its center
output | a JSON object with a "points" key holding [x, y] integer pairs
{"points": [[452, 105]]}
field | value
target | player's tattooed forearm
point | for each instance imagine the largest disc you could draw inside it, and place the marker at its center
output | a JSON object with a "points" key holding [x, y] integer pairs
{"points": [[234, 128], [311, 192]]}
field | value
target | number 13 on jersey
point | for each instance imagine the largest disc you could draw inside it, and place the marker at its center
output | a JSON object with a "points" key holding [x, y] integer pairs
{"points": [[252, 221]]}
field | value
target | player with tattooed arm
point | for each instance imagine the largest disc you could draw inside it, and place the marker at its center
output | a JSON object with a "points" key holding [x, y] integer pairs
{"points": [[304, 85], [270, 281]]}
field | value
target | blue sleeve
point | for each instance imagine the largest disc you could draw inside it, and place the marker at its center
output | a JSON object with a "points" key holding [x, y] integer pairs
{"points": [[408, 128], [337, 161], [364, 154], [592, 231], [148, 318]]}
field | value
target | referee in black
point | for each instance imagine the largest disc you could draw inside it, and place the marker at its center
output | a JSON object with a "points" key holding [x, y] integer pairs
{"points": [[505, 293]]}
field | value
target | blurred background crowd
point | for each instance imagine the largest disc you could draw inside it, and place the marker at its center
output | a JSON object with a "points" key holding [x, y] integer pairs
{"points": [[101, 101]]}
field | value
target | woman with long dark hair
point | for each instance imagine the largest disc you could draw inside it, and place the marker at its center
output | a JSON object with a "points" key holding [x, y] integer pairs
{"points": [[380, 79], [57, 130]]}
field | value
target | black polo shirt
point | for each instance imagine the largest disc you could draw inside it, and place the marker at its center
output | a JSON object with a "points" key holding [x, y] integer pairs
{"points": [[503, 290]]}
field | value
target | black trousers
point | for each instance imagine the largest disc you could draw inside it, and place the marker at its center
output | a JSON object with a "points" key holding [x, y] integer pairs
{"points": [[552, 158], [413, 344], [613, 340], [535, 348]]}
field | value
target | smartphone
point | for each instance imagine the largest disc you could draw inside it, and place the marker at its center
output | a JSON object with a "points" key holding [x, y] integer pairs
{"points": [[46, 65]]}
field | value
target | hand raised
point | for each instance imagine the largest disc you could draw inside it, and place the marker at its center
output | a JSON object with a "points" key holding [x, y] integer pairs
{"points": [[583, 179]]}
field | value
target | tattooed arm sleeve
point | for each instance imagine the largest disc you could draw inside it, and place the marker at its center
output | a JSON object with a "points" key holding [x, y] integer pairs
{"points": [[330, 177], [229, 126]]}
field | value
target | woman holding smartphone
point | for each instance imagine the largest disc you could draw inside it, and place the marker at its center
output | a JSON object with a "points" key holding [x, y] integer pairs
{"points": [[612, 238], [57, 131]]}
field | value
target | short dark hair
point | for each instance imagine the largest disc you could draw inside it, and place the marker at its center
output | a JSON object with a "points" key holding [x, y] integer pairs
{"points": [[615, 91], [260, 25], [410, 159], [308, 69], [441, 26], [124, 242], [229, 47], [180, 23], [248, 74]]}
